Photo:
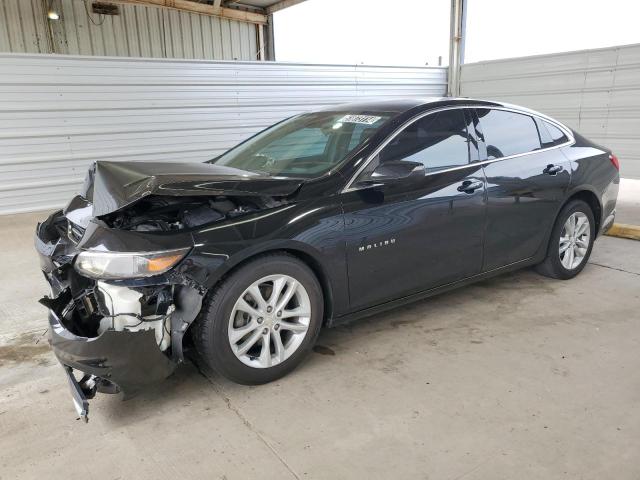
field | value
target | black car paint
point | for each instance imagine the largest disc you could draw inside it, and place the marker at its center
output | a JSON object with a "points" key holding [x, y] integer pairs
{"points": [[420, 236], [522, 202], [437, 234]]}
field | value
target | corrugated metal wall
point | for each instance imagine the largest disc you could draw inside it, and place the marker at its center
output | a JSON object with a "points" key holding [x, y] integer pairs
{"points": [[138, 31], [597, 92], [59, 113]]}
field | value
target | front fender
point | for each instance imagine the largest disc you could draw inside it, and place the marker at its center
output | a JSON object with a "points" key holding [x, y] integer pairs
{"points": [[314, 231]]}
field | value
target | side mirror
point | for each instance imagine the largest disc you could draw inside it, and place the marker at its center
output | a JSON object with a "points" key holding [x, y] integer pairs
{"points": [[398, 169]]}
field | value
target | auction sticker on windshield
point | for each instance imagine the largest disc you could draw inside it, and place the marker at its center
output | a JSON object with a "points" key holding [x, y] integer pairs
{"points": [[365, 119]]}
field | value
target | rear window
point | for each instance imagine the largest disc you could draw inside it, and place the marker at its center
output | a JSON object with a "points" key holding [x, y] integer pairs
{"points": [[508, 133]]}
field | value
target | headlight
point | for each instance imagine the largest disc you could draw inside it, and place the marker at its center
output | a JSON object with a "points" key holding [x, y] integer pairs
{"points": [[127, 265]]}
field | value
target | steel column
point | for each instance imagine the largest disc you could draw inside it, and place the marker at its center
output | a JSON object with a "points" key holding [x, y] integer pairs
{"points": [[456, 45]]}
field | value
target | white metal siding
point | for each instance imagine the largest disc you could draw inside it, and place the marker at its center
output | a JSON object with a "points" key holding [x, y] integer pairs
{"points": [[138, 31], [597, 92], [59, 113]]}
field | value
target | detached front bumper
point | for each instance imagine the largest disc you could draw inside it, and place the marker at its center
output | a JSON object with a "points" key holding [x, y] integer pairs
{"points": [[130, 360], [112, 362]]}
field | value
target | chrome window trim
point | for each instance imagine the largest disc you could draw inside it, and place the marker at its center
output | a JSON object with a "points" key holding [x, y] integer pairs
{"points": [[571, 140]]}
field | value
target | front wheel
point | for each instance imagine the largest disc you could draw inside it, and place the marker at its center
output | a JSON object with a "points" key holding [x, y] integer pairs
{"points": [[571, 242], [260, 322]]}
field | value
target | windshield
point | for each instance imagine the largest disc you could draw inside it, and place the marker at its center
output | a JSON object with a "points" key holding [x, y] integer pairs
{"points": [[307, 145]]}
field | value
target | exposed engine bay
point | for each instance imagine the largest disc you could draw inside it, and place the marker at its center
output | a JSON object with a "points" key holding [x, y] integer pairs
{"points": [[164, 213]]}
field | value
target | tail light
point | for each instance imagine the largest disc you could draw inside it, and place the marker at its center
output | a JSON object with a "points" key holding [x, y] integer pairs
{"points": [[614, 161]]}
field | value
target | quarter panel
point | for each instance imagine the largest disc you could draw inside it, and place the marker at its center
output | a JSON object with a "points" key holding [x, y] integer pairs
{"points": [[592, 170]]}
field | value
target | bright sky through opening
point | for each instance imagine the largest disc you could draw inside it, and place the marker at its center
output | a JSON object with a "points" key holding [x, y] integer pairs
{"points": [[416, 32]]}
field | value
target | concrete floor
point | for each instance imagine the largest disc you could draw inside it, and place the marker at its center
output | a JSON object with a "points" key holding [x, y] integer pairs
{"points": [[516, 377]]}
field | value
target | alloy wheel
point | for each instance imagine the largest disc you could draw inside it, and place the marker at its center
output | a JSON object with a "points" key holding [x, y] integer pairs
{"points": [[269, 321], [574, 240]]}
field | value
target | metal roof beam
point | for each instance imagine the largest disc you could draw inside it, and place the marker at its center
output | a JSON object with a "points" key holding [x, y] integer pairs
{"points": [[242, 5], [282, 4], [202, 9]]}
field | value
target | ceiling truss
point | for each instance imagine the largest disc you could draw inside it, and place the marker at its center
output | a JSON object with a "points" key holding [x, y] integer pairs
{"points": [[244, 11]]}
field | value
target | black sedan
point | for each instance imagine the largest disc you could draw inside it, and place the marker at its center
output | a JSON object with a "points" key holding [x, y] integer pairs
{"points": [[320, 219]]}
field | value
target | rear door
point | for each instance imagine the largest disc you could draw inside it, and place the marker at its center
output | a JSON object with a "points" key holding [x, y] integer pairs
{"points": [[527, 179]]}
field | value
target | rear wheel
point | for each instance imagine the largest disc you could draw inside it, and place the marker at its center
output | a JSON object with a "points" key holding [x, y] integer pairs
{"points": [[261, 321], [571, 242]]}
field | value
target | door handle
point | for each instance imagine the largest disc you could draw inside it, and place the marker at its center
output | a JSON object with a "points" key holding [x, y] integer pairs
{"points": [[552, 169], [470, 186]]}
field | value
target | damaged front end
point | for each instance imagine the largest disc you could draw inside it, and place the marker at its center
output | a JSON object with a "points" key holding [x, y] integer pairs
{"points": [[126, 276], [121, 333]]}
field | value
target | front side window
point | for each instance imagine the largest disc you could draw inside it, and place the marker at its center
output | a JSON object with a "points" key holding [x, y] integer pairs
{"points": [[508, 133], [438, 141], [304, 146]]}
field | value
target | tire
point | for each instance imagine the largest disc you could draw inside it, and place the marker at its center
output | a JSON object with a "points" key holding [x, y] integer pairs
{"points": [[215, 330], [556, 264]]}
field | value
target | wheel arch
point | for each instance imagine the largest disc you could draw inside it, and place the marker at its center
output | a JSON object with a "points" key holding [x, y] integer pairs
{"points": [[301, 252], [322, 276], [590, 198]]}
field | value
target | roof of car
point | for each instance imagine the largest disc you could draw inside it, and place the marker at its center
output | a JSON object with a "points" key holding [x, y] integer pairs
{"points": [[404, 104], [402, 109]]}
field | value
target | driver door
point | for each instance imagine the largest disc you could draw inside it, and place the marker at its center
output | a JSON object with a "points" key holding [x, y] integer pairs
{"points": [[405, 235]]}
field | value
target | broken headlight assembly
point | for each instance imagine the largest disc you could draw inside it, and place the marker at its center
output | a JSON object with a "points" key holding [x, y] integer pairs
{"points": [[117, 265]]}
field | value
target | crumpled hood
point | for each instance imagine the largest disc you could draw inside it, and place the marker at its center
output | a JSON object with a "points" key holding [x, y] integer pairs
{"points": [[111, 186]]}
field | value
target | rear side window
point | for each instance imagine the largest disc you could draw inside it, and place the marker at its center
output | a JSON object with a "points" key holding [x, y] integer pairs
{"points": [[508, 133], [558, 137]]}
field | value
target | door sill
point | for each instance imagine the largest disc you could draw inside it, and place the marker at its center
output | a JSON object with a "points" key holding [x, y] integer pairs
{"points": [[382, 307]]}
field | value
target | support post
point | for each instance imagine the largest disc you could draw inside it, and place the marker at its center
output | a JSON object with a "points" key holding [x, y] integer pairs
{"points": [[261, 44], [270, 40], [456, 45]]}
